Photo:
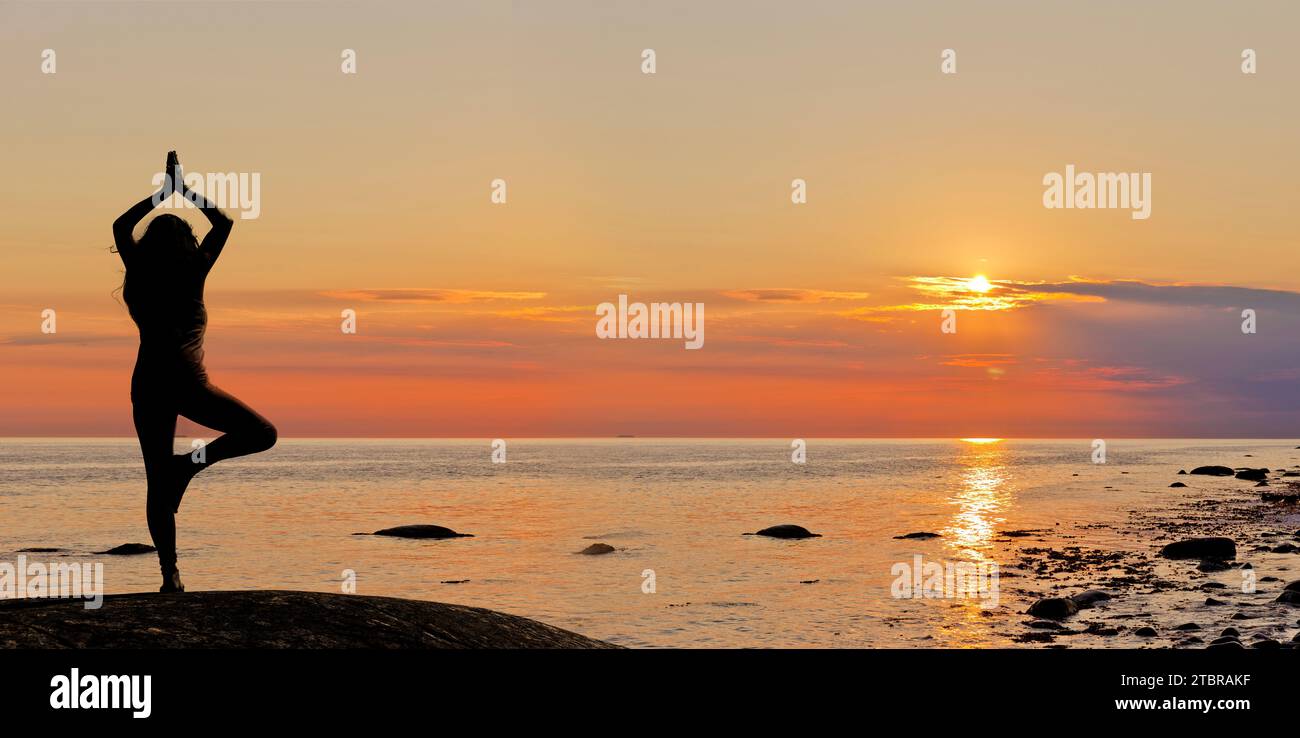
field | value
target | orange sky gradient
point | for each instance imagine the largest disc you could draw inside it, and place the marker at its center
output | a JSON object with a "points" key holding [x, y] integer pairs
{"points": [[823, 319]]}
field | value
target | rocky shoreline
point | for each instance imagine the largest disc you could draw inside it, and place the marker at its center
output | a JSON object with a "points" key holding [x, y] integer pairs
{"points": [[271, 619], [1217, 569]]}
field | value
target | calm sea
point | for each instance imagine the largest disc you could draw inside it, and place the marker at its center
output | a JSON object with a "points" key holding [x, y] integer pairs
{"points": [[285, 519]]}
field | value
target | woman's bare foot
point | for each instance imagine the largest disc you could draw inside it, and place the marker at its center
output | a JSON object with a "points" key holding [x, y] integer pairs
{"points": [[172, 582]]}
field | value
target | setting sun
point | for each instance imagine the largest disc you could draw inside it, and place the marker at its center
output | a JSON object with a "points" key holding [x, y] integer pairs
{"points": [[981, 440], [978, 283]]}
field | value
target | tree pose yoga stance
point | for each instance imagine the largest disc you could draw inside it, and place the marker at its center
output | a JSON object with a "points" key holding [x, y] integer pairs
{"points": [[163, 289]]}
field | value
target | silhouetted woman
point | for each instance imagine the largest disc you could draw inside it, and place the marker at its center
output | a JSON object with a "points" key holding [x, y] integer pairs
{"points": [[163, 289]]}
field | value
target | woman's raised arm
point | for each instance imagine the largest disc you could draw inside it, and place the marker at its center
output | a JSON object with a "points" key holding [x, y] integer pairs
{"points": [[221, 223], [126, 222]]}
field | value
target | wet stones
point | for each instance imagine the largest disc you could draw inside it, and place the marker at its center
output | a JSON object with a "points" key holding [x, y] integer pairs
{"points": [[1216, 547]]}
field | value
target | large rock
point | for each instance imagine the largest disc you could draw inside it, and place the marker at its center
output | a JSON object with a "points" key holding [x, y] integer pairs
{"points": [[1214, 471], [597, 549], [1054, 608], [270, 619], [1201, 548], [1290, 597], [786, 531], [421, 531], [1253, 475]]}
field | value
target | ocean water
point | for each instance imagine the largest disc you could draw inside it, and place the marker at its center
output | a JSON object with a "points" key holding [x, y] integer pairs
{"points": [[678, 508]]}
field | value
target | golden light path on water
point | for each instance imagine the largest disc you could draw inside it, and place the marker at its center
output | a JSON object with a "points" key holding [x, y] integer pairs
{"points": [[981, 501]]}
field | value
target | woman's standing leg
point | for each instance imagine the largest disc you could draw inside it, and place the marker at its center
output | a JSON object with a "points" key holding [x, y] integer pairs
{"points": [[155, 425]]}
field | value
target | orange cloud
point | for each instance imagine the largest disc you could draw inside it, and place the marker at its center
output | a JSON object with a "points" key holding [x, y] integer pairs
{"points": [[422, 295], [789, 294], [978, 360]]}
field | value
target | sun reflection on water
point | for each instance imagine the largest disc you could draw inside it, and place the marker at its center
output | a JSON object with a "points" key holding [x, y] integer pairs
{"points": [[981, 497], [980, 501]]}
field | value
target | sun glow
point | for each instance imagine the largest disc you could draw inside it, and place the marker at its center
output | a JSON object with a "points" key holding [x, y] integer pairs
{"points": [[981, 441], [978, 283]]}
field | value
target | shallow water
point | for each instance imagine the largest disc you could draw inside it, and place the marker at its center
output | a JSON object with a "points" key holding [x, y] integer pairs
{"points": [[678, 507]]}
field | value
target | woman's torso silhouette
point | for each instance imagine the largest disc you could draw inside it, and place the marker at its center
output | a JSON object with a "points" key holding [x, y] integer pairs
{"points": [[168, 309]]}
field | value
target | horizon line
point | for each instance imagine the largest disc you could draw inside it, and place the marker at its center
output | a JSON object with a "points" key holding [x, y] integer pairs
{"points": [[633, 437]]}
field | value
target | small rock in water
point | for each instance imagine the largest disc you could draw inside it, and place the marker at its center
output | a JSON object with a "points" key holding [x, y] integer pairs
{"points": [[39, 550], [421, 531], [1177, 484], [1233, 632], [920, 534], [1054, 608], [1266, 643], [1145, 632], [1214, 471], [1211, 602], [1182, 471], [786, 531], [1210, 565], [597, 549], [1284, 548], [1187, 626], [1292, 586], [1290, 597], [1253, 475], [128, 549], [1089, 598], [1201, 548]]}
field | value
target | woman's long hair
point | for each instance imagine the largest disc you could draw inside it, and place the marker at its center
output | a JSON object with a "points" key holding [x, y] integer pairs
{"points": [[168, 248]]}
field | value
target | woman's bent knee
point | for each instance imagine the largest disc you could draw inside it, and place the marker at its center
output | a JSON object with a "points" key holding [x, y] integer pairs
{"points": [[266, 436]]}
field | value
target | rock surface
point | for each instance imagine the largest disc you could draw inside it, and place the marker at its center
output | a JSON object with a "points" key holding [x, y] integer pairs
{"points": [[1054, 608], [1090, 597], [270, 619], [1214, 471], [128, 549], [918, 535], [786, 531], [421, 531], [1201, 548]]}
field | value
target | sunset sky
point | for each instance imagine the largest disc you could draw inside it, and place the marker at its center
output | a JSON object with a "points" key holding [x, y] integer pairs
{"points": [[822, 319]]}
